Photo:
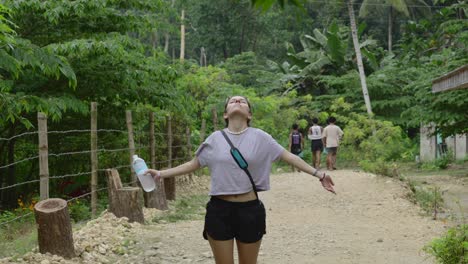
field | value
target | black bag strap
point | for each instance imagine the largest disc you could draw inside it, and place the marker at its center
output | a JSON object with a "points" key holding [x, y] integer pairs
{"points": [[239, 159]]}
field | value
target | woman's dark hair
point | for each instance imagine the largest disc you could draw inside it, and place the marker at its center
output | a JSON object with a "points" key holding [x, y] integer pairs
{"points": [[226, 121], [315, 120], [332, 119], [295, 126]]}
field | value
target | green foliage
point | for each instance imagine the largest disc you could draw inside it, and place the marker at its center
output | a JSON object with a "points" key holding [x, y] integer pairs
{"points": [[375, 139], [79, 211], [243, 69], [380, 167], [429, 199], [451, 248], [186, 208]]}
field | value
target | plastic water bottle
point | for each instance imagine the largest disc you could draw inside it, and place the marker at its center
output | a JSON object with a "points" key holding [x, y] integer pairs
{"points": [[146, 180]]}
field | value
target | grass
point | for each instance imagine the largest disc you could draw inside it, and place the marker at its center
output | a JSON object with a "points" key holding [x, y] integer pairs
{"points": [[186, 208], [18, 239]]}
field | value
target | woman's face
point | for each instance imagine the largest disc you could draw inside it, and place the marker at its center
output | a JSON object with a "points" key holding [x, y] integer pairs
{"points": [[237, 105]]}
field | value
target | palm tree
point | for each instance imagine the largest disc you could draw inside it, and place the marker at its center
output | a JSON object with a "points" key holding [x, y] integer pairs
{"points": [[406, 7], [357, 49]]}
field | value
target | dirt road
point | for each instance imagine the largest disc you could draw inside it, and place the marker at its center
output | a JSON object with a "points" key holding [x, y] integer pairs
{"points": [[369, 221]]}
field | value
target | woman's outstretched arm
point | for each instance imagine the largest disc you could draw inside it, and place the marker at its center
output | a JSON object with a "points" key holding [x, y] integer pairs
{"points": [[297, 162], [185, 168]]}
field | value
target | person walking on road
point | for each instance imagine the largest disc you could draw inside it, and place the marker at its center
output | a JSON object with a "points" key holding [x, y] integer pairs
{"points": [[316, 144], [331, 137], [239, 158], [296, 143]]}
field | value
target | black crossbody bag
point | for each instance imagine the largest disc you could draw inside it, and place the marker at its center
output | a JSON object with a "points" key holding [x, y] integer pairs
{"points": [[237, 156]]}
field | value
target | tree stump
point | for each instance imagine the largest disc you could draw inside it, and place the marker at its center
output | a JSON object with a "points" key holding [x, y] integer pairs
{"points": [[54, 228], [170, 189], [124, 201], [157, 197]]}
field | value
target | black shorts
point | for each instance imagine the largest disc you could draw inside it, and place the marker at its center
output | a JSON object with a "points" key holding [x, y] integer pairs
{"points": [[317, 145], [244, 221], [296, 150]]}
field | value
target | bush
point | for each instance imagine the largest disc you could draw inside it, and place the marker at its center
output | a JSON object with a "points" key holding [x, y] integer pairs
{"points": [[380, 167], [376, 140], [79, 211], [452, 248]]}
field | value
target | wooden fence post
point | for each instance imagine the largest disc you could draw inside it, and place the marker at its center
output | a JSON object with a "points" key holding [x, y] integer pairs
{"points": [[152, 141], [203, 130], [124, 201], [215, 118], [54, 230], [131, 144], [43, 156], [169, 183], [189, 148], [157, 197], [94, 158]]}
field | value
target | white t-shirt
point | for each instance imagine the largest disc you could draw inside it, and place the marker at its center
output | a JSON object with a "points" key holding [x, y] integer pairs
{"points": [[333, 134], [315, 132]]}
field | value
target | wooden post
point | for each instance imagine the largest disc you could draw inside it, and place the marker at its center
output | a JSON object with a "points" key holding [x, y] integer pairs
{"points": [[43, 156], [156, 198], [152, 141], [215, 118], [131, 144], [203, 130], [54, 230], [124, 201], [94, 159], [189, 148], [169, 183]]}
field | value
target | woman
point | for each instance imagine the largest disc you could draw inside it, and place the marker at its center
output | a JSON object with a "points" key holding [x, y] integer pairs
{"points": [[315, 135], [234, 211]]}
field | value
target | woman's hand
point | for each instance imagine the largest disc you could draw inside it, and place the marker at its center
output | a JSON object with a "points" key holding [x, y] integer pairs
{"points": [[155, 174], [327, 183]]}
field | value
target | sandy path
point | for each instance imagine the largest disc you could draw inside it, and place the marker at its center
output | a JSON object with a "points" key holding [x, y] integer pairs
{"points": [[369, 221]]}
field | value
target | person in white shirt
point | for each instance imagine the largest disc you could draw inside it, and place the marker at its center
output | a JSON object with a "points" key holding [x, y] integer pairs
{"points": [[331, 137], [315, 135]]}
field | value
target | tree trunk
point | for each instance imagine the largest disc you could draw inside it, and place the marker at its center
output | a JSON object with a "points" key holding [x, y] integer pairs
{"points": [[390, 29], [54, 230], [155, 39], [11, 196], [167, 36], [203, 130], [124, 201], [157, 197], [241, 47], [182, 36], [215, 118], [362, 74], [169, 183]]}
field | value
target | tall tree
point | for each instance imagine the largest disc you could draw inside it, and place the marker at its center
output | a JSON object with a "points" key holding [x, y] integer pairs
{"points": [[357, 48], [405, 7]]}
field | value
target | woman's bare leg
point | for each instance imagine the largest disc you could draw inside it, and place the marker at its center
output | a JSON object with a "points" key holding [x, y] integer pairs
{"points": [[314, 159], [248, 252], [223, 251], [317, 159]]}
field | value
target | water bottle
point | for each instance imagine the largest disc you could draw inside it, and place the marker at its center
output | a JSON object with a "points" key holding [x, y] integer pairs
{"points": [[146, 180]]}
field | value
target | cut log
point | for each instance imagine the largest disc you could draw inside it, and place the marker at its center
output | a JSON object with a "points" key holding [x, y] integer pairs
{"points": [[124, 201], [156, 198], [54, 228]]}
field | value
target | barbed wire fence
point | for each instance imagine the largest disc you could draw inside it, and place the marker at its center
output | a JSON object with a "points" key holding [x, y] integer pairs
{"points": [[178, 149]]}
